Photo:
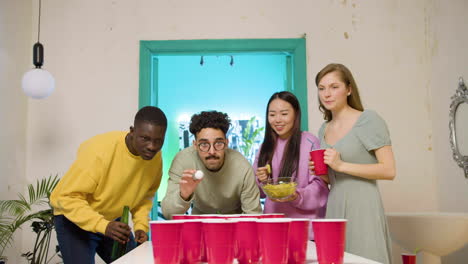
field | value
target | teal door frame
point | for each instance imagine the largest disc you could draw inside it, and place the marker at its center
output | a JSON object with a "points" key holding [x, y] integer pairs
{"points": [[295, 49]]}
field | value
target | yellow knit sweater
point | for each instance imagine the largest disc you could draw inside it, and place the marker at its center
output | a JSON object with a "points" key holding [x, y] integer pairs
{"points": [[104, 178]]}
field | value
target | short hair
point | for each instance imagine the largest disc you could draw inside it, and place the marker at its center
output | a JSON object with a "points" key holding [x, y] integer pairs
{"points": [[209, 119], [151, 114]]}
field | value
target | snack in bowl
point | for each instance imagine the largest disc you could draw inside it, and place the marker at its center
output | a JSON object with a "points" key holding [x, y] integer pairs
{"points": [[280, 189]]}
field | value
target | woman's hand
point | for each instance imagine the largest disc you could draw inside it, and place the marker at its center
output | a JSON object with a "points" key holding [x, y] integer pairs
{"points": [[262, 174], [333, 159], [312, 171], [311, 167]]}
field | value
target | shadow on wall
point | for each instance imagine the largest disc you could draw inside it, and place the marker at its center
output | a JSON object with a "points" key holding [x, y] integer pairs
{"points": [[457, 257]]}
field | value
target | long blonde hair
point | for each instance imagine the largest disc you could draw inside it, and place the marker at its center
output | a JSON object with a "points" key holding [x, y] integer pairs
{"points": [[353, 100]]}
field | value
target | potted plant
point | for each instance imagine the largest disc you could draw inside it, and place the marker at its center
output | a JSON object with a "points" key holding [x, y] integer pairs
{"points": [[30, 208]]}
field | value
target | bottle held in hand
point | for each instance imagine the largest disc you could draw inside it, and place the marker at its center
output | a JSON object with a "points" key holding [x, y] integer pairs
{"points": [[118, 249]]}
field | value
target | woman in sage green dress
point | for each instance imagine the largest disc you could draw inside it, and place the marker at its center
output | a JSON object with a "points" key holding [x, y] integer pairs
{"points": [[358, 153]]}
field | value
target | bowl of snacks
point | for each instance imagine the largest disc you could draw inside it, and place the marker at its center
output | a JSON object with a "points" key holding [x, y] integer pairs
{"points": [[279, 189]]}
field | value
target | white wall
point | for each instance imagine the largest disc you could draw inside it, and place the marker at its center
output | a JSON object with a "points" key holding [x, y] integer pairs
{"points": [[406, 57], [15, 59], [450, 61], [92, 50]]}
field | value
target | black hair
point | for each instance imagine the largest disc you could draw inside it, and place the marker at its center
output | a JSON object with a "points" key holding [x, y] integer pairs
{"points": [[290, 161], [150, 114], [209, 119]]}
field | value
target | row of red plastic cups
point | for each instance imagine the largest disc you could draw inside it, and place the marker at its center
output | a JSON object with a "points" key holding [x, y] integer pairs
{"points": [[225, 216], [221, 238]]}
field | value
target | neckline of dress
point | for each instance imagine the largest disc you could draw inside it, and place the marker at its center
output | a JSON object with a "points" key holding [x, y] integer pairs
{"points": [[349, 132]]}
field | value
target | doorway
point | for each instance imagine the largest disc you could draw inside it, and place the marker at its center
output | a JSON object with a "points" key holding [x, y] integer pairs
{"points": [[237, 77]]}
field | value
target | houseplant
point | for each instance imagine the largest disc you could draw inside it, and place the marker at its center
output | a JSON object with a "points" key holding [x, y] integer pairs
{"points": [[249, 135], [30, 208]]}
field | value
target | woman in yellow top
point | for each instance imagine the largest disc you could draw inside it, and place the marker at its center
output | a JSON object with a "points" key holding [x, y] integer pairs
{"points": [[112, 170]]}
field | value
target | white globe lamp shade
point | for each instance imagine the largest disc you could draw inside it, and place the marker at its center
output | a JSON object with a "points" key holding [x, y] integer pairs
{"points": [[38, 83]]}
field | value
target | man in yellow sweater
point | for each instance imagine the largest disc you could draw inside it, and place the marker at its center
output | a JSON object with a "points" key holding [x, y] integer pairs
{"points": [[111, 170]]}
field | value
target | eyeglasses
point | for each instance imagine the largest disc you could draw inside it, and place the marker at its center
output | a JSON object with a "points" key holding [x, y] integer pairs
{"points": [[205, 146]]}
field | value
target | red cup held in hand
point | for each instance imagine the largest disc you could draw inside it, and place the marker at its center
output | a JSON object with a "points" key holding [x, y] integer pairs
{"points": [[320, 168]]}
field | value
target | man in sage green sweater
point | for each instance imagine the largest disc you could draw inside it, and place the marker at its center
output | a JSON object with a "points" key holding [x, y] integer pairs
{"points": [[228, 185]]}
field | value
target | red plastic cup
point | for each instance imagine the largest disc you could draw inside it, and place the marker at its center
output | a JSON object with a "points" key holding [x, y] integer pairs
{"points": [[408, 258], [191, 241], [330, 239], [219, 240], [320, 168], [232, 216], [180, 217], [279, 215], [206, 216], [298, 238], [274, 239], [211, 216], [166, 238], [247, 249], [251, 215]]}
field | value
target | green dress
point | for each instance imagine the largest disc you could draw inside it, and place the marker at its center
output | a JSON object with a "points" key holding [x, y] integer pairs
{"points": [[357, 199]]}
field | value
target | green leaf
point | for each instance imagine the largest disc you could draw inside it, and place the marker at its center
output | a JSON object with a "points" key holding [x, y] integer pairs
{"points": [[15, 213], [249, 135]]}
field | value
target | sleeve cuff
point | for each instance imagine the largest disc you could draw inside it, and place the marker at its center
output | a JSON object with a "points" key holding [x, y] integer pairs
{"points": [[141, 227], [298, 200], [184, 202], [101, 226]]}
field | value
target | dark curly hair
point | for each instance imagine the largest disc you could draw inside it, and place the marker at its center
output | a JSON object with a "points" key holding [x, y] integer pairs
{"points": [[209, 119]]}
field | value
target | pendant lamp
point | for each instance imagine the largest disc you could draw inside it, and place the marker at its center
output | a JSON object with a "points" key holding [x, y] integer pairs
{"points": [[38, 83]]}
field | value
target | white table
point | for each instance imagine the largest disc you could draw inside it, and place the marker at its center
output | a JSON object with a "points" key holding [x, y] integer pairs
{"points": [[144, 255]]}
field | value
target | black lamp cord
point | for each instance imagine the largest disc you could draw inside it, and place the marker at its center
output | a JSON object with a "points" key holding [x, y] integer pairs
{"points": [[39, 22]]}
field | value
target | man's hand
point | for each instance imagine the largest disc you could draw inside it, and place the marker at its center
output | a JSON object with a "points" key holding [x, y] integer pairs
{"points": [[188, 184], [118, 231], [141, 236]]}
